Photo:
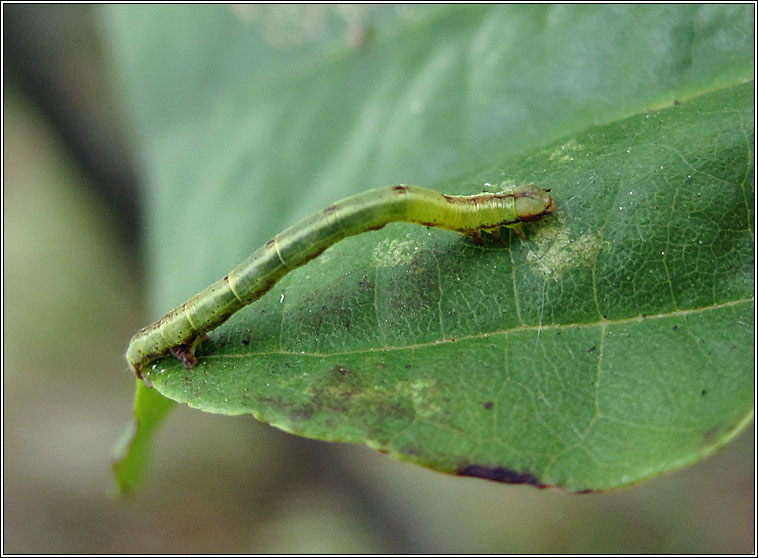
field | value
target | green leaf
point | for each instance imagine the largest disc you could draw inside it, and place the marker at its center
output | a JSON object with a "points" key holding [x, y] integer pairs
{"points": [[132, 451], [612, 343]]}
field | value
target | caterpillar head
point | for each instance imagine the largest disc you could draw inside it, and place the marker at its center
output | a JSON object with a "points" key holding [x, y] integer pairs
{"points": [[532, 202]]}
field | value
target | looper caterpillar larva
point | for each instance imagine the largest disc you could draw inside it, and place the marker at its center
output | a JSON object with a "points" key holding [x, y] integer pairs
{"points": [[184, 327]]}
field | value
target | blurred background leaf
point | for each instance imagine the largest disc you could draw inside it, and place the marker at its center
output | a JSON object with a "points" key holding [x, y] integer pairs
{"points": [[346, 499]]}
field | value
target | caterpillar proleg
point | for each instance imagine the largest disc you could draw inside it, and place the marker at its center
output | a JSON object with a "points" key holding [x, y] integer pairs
{"points": [[183, 328]]}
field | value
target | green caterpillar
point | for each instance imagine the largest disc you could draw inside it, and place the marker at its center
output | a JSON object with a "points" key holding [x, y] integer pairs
{"points": [[183, 328]]}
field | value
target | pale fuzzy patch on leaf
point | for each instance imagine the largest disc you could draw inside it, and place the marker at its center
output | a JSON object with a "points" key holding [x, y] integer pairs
{"points": [[394, 252], [566, 151], [557, 252]]}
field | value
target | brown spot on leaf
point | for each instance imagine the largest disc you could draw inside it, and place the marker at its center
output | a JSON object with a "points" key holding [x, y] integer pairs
{"points": [[500, 474], [342, 370], [709, 436], [302, 414], [409, 450]]}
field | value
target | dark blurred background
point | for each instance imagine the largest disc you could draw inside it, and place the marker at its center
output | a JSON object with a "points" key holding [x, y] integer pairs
{"points": [[73, 296]]}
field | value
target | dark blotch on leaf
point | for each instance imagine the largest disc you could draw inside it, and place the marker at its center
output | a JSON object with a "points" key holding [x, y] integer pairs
{"points": [[303, 414], [703, 392], [342, 370], [500, 474], [591, 349], [246, 342], [487, 404], [710, 435]]}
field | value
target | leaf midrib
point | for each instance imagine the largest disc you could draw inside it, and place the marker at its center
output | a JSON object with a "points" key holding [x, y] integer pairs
{"points": [[524, 328]]}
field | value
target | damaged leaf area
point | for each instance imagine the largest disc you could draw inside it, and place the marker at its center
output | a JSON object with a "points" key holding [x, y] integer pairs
{"points": [[610, 342]]}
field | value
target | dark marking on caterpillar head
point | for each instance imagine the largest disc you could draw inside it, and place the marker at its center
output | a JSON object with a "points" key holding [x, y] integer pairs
{"points": [[532, 218], [500, 474]]}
